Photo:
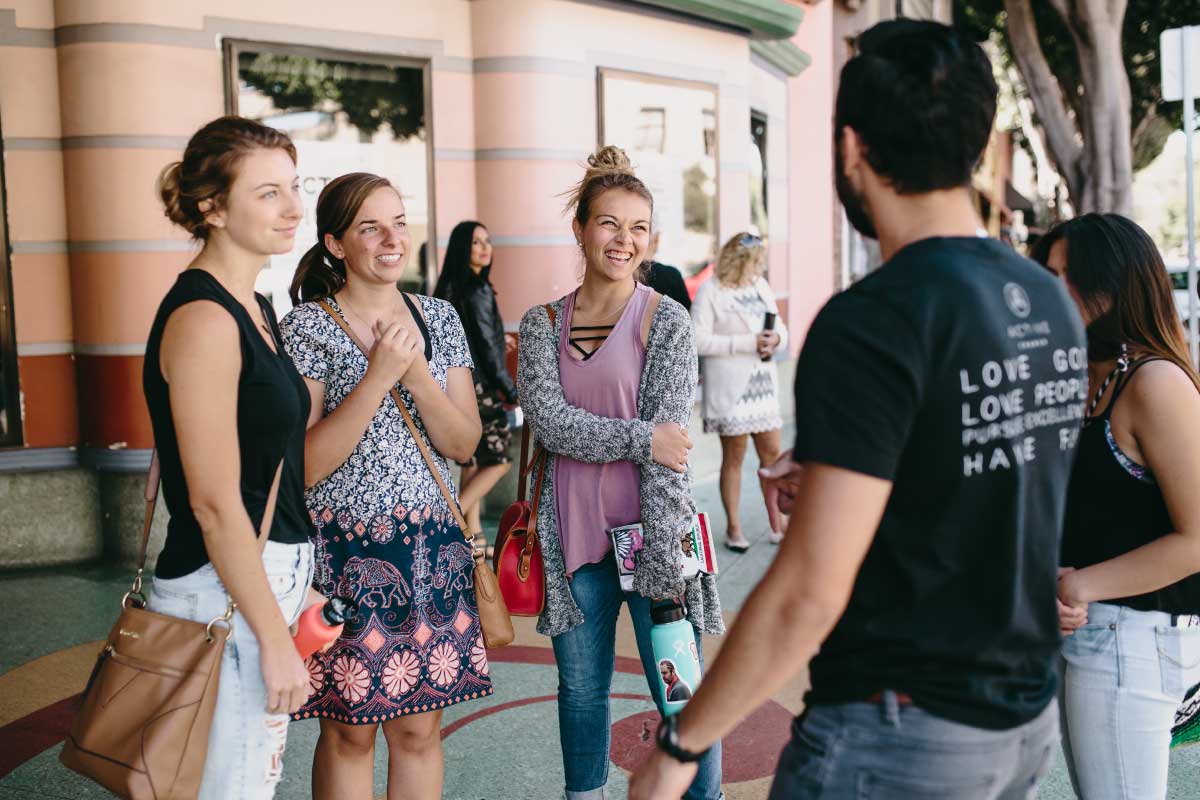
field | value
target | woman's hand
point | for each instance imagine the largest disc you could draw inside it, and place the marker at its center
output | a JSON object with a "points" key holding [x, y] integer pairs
{"points": [[510, 343], [313, 598], [669, 446], [284, 674], [392, 356], [1072, 613], [767, 342]]}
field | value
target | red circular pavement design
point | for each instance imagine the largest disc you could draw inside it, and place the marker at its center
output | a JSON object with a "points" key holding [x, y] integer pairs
{"points": [[747, 754]]}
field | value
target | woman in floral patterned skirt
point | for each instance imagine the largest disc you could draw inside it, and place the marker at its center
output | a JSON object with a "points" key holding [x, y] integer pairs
{"points": [[386, 536]]}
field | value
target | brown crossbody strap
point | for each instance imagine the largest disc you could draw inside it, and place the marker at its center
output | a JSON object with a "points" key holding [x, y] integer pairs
{"points": [[154, 476], [412, 429]]}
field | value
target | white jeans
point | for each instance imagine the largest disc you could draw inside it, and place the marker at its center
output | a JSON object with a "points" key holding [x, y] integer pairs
{"points": [[1124, 675], [245, 746]]}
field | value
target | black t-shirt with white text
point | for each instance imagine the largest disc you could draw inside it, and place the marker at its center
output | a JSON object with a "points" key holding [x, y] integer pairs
{"points": [[956, 371]]}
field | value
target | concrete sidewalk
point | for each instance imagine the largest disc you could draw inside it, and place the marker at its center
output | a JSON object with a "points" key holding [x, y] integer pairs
{"points": [[504, 747]]}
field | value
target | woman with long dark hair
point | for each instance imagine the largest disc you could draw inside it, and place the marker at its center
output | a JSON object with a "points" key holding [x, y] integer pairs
{"points": [[464, 283], [385, 534], [1129, 591]]}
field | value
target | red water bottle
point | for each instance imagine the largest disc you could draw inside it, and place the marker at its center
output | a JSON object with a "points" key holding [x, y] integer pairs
{"points": [[321, 624]]}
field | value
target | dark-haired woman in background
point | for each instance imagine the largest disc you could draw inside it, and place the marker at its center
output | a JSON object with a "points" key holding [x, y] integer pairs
{"points": [[464, 283], [386, 536], [1129, 591], [228, 411]]}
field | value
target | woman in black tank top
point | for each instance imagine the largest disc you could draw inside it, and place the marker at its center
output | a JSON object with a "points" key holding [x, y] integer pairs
{"points": [[1129, 592], [228, 411]]}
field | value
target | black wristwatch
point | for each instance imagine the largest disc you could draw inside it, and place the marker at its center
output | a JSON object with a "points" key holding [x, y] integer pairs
{"points": [[668, 741]]}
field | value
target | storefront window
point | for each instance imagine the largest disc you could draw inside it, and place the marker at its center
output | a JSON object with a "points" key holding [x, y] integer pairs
{"points": [[346, 113], [10, 408], [758, 172], [669, 130]]}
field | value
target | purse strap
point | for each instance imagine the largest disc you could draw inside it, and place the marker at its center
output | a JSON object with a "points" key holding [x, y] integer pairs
{"points": [[153, 479], [412, 429]]}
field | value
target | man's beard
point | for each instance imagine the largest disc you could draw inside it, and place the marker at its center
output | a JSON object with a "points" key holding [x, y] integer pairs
{"points": [[852, 201]]}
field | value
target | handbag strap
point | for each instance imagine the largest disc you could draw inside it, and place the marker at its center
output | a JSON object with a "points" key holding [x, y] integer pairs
{"points": [[153, 478], [412, 429]]}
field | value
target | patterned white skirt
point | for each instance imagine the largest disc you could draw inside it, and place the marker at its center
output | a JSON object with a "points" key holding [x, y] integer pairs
{"points": [[756, 410]]}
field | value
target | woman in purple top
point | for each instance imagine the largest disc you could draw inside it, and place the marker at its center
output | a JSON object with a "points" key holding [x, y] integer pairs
{"points": [[607, 382]]}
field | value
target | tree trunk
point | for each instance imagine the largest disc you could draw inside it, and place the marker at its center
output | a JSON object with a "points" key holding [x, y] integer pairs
{"points": [[1093, 151]]}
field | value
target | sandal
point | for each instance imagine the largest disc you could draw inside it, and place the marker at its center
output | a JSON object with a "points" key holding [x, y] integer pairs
{"points": [[737, 547], [774, 537]]}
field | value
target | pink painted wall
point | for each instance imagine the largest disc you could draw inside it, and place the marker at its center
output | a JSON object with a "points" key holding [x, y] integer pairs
{"points": [[813, 205]]}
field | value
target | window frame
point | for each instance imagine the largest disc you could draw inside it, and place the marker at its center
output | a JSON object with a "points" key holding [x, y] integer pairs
{"points": [[12, 434], [664, 80], [232, 48]]}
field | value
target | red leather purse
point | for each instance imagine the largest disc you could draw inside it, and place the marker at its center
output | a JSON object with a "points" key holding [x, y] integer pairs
{"points": [[517, 556]]}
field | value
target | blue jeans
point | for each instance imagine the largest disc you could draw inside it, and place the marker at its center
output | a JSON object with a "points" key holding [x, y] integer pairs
{"points": [[885, 751], [1124, 674], [245, 745], [586, 656]]}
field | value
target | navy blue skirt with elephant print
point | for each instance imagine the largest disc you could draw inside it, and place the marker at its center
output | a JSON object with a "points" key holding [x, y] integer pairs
{"points": [[416, 644]]}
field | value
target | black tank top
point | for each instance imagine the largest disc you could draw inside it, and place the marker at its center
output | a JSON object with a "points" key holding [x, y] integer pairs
{"points": [[1114, 505], [272, 414]]}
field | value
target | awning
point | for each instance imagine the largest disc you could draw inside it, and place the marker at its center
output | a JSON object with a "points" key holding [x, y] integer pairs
{"points": [[763, 19]]}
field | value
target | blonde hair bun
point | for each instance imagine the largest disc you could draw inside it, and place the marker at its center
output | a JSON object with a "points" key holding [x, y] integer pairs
{"points": [[611, 160]]}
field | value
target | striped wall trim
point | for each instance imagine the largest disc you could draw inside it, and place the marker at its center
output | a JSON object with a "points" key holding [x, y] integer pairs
{"points": [[542, 66], [509, 154], [38, 248], [216, 28], [133, 33], [12, 36], [524, 241], [137, 349], [115, 460], [132, 246], [133, 142], [32, 349], [13, 143], [125, 142], [38, 459], [110, 246]]}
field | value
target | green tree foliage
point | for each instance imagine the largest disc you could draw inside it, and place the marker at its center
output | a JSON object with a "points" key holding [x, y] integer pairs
{"points": [[1152, 120], [370, 95]]}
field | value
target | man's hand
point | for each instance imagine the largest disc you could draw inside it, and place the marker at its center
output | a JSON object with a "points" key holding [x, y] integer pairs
{"points": [[661, 777], [780, 481]]}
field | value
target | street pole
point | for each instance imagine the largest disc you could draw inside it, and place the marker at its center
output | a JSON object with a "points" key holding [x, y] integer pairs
{"points": [[1189, 113]]}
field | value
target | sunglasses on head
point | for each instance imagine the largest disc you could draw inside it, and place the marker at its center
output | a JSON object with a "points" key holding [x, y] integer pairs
{"points": [[749, 240]]}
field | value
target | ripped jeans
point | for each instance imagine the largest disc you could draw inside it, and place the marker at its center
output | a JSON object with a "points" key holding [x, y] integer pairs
{"points": [[245, 746]]}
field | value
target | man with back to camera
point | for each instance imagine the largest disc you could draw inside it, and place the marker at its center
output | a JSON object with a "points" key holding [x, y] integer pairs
{"points": [[938, 403]]}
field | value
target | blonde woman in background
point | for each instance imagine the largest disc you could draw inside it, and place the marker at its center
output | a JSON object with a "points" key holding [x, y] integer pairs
{"points": [[741, 383]]}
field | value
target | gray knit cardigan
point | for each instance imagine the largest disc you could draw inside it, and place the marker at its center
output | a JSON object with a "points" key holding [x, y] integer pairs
{"points": [[666, 394]]}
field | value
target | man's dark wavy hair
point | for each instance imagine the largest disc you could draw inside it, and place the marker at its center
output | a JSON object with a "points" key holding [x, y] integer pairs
{"points": [[922, 98]]}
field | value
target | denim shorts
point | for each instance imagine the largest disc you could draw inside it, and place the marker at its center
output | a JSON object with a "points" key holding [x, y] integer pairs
{"points": [[245, 746]]}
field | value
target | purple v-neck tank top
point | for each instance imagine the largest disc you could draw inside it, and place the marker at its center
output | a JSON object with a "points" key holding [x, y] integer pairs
{"points": [[591, 498]]}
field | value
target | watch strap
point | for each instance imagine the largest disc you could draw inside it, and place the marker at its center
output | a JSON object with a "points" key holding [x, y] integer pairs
{"points": [[668, 741]]}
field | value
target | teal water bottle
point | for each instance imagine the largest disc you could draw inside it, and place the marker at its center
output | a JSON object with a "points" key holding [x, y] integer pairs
{"points": [[673, 642]]}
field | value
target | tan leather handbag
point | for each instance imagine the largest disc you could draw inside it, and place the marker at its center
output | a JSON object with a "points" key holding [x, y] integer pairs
{"points": [[142, 730], [494, 619]]}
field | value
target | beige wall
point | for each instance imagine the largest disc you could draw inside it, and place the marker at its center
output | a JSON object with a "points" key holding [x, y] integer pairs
{"points": [[96, 96]]}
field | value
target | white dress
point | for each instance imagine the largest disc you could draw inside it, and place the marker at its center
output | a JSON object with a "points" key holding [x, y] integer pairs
{"points": [[741, 392]]}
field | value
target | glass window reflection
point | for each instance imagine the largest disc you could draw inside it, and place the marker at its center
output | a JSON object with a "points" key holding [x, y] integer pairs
{"points": [[669, 130], [344, 116]]}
